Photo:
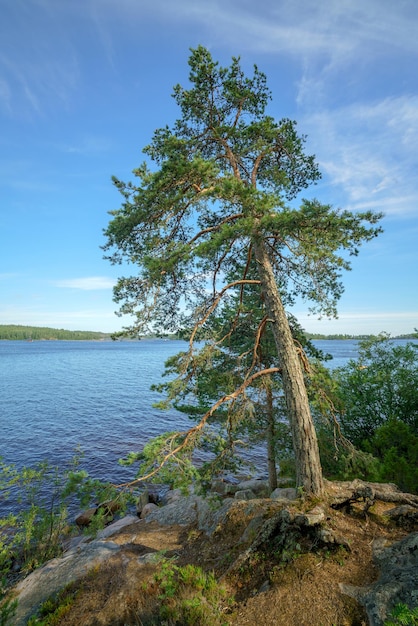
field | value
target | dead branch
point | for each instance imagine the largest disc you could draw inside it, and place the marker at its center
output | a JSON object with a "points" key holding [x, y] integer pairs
{"points": [[215, 303], [230, 218], [192, 433]]}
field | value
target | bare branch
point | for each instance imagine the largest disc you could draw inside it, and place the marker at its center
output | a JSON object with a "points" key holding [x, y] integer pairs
{"points": [[193, 432], [230, 218], [216, 302]]}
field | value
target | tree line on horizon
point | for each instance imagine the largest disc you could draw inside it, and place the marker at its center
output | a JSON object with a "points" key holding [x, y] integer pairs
{"points": [[34, 333], [17, 332]]}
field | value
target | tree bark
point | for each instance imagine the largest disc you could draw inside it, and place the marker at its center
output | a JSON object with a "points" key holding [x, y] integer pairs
{"points": [[305, 443], [271, 445]]}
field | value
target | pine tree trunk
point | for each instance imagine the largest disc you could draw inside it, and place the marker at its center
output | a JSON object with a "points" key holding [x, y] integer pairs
{"points": [[305, 443], [271, 446]]}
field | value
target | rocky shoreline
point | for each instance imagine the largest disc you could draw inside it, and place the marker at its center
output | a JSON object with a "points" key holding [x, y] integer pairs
{"points": [[264, 519]]}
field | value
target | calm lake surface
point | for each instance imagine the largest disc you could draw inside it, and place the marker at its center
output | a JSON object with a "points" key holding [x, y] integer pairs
{"points": [[57, 395]]}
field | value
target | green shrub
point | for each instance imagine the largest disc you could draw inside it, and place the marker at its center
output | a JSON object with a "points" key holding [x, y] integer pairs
{"points": [[189, 597], [396, 444], [379, 387], [54, 609], [344, 462], [402, 615], [7, 610], [34, 533], [376, 402]]}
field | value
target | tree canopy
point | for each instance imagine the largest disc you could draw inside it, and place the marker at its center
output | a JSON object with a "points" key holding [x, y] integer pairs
{"points": [[213, 214]]}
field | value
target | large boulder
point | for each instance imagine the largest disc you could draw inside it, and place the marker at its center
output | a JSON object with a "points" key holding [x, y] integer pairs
{"points": [[259, 486], [58, 573], [191, 510], [284, 493], [397, 583]]}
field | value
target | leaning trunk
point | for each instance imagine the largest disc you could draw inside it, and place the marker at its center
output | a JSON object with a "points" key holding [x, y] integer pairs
{"points": [[305, 443], [271, 443]]}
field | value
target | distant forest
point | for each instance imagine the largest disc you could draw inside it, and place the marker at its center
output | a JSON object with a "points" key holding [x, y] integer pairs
{"points": [[336, 336], [34, 333]]}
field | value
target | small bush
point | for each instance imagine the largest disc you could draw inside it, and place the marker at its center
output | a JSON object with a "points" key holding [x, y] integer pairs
{"points": [[340, 461], [34, 533], [54, 609], [402, 615], [189, 596], [396, 444]]}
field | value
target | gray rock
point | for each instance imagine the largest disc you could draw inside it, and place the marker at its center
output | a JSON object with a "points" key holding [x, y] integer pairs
{"points": [[405, 515], [265, 587], [252, 529], [75, 542], [181, 510], [142, 500], [328, 536], [56, 574], [173, 495], [397, 583], [84, 518], [210, 514], [312, 518], [117, 526], [258, 486], [185, 510], [284, 493], [150, 557], [148, 510], [245, 494], [222, 487]]}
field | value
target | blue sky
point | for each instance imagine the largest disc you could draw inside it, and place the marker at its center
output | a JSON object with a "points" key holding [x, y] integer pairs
{"points": [[84, 83]]}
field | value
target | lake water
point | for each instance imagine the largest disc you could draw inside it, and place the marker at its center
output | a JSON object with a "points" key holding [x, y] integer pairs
{"points": [[57, 395]]}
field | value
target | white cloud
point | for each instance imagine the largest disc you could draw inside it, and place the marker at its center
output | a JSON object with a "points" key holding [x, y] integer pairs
{"points": [[322, 36], [369, 151], [88, 146], [38, 60], [359, 323], [332, 32], [82, 319], [89, 283]]}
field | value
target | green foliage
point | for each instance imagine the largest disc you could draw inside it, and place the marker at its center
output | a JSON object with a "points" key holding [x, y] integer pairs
{"points": [[377, 388], [395, 444], [222, 176], [38, 527], [342, 461], [211, 224], [175, 469], [27, 333], [53, 610], [34, 533], [376, 398], [218, 369], [178, 460], [8, 608], [189, 596], [402, 615]]}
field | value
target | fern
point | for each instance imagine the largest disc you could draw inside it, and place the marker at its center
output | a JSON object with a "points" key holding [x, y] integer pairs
{"points": [[402, 615]]}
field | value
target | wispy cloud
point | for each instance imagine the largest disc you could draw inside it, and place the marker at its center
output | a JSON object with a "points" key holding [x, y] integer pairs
{"points": [[322, 36], [38, 60], [81, 319], [334, 29], [366, 148], [89, 283], [396, 323], [88, 146], [369, 150]]}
